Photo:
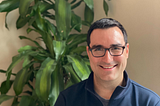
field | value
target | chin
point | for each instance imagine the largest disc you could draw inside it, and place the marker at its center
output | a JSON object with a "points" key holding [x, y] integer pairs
{"points": [[111, 76]]}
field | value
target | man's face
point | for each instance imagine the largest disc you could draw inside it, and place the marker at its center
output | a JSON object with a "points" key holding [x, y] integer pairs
{"points": [[108, 68]]}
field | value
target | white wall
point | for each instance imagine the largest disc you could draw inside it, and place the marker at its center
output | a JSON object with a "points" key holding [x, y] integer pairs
{"points": [[141, 19]]}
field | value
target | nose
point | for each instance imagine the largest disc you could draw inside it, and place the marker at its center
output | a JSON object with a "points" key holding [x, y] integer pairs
{"points": [[107, 57]]}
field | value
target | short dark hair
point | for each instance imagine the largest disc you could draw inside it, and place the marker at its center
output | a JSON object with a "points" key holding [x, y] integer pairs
{"points": [[105, 23]]}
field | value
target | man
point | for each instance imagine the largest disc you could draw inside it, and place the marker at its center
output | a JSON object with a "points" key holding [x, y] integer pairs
{"points": [[108, 83]]}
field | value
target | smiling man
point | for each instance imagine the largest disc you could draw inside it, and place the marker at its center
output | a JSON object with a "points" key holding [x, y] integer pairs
{"points": [[108, 53], [108, 83]]}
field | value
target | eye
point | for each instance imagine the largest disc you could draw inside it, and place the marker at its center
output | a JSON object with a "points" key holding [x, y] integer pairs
{"points": [[116, 48], [98, 49]]}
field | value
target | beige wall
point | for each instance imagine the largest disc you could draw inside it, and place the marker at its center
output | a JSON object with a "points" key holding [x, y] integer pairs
{"points": [[142, 22], [140, 18], [10, 43]]}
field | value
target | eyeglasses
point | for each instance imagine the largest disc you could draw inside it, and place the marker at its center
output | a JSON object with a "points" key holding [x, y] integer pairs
{"points": [[100, 51]]}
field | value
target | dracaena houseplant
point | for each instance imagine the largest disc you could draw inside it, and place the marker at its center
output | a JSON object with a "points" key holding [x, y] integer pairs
{"points": [[57, 65]]}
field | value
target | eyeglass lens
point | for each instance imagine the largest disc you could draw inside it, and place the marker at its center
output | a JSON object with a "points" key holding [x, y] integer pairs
{"points": [[114, 51]]}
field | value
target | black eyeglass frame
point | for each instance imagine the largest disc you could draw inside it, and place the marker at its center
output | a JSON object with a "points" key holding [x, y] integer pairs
{"points": [[123, 47]]}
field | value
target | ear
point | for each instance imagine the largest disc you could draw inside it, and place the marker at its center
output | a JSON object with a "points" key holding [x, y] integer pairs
{"points": [[87, 49], [127, 50]]}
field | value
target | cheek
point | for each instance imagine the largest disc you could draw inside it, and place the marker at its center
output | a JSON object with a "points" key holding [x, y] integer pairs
{"points": [[122, 61], [93, 62], [118, 59], [91, 58]]}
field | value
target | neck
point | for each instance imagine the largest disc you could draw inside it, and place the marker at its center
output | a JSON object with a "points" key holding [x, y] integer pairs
{"points": [[105, 89]]}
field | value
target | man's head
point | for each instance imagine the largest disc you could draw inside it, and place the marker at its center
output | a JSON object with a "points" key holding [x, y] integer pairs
{"points": [[107, 50], [104, 24]]}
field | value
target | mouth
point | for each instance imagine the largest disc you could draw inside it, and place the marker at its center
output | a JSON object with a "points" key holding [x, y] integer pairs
{"points": [[108, 67]]}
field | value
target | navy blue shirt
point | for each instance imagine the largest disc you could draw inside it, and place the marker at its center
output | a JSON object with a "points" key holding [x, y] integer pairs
{"points": [[83, 94]]}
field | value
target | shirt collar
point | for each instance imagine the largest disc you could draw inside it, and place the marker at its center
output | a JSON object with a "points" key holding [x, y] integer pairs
{"points": [[119, 91]]}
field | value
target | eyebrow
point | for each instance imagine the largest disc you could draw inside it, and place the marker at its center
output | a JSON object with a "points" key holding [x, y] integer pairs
{"points": [[97, 46], [112, 45]]}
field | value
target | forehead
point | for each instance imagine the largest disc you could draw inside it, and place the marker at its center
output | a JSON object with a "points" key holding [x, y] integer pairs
{"points": [[107, 37]]}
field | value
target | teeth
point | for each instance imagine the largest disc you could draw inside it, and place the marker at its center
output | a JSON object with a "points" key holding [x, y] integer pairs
{"points": [[109, 67]]}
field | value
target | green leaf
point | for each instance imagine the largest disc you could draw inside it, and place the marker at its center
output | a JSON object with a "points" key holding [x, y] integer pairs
{"points": [[48, 39], [35, 42], [63, 17], [74, 77], [71, 37], [79, 66], [29, 30], [105, 7], [21, 79], [73, 1], [43, 79], [57, 84], [15, 102], [25, 48], [52, 28], [80, 38], [4, 97], [89, 4], [18, 58], [2, 71], [59, 48], [27, 101], [23, 7], [40, 56], [28, 92], [8, 5], [26, 61], [46, 35], [31, 22], [6, 25], [88, 15], [8, 79], [49, 15], [40, 21], [22, 22], [86, 60], [76, 22], [76, 5], [4, 88], [79, 50], [44, 6], [15, 60]]}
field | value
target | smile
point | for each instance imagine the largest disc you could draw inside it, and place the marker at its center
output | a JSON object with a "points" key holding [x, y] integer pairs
{"points": [[110, 67]]}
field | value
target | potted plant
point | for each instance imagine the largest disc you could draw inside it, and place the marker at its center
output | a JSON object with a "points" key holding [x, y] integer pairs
{"points": [[57, 65]]}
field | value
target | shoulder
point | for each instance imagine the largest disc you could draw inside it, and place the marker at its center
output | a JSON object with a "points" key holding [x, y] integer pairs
{"points": [[141, 90]]}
